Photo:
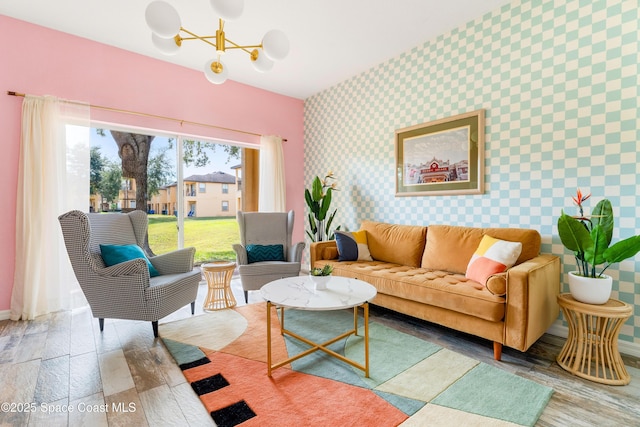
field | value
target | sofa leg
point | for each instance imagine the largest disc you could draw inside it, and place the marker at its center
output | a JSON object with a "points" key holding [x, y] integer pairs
{"points": [[497, 350], [101, 323], [155, 328], [246, 297], [193, 308]]}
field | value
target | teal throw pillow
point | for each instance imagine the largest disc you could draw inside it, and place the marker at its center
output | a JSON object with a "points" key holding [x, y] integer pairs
{"points": [[259, 253], [116, 254]]}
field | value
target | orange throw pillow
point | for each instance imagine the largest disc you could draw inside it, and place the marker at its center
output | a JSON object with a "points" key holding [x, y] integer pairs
{"points": [[493, 256]]}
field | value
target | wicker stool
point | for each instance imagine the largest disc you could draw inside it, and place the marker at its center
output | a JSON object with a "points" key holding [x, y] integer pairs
{"points": [[591, 350], [218, 275]]}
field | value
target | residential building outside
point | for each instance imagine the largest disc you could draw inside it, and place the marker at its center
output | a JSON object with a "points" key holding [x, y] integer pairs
{"points": [[210, 195], [126, 199]]}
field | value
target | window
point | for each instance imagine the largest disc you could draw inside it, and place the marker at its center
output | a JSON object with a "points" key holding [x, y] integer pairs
{"points": [[173, 184], [225, 188]]}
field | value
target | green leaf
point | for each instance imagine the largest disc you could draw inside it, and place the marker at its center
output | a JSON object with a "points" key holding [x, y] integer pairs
{"points": [[324, 205], [330, 220], [622, 250], [595, 254], [333, 234], [602, 216], [316, 189], [573, 234], [313, 224], [308, 199]]}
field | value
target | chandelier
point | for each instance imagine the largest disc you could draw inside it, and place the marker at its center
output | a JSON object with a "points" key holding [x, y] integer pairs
{"points": [[168, 35]]}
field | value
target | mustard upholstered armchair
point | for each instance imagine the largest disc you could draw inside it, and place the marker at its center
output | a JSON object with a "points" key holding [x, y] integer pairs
{"points": [[259, 232], [126, 290]]}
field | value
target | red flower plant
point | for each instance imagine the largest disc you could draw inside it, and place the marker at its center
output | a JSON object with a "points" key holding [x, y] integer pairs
{"points": [[578, 200]]}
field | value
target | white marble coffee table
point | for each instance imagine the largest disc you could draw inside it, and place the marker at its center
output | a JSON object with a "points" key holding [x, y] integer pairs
{"points": [[300, 293]]}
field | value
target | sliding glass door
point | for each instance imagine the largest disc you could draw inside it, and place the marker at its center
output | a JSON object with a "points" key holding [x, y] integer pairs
{"points": [[191, 189], [211, 175]]}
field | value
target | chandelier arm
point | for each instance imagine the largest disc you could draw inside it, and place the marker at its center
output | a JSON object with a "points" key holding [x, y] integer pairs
{"points": [[165, 23], [195, 36], [245, 48]]}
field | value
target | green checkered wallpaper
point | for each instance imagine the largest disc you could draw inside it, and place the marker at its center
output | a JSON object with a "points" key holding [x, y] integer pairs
{"points": [[559, 83]]}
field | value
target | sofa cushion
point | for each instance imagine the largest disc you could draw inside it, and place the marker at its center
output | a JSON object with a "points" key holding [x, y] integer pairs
{"points": [[491, 257], [437, 288], [330, 252], [352, 246], [450, 247], [397, 244]]}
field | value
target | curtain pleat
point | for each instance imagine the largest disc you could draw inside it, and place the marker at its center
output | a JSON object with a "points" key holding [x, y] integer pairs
{"points": [[272, 189], [53, 178]]}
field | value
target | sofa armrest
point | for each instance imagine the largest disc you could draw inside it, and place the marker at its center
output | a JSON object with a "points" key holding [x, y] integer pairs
{"points": [[317, 251], [295, 252], [131, 268], [532, 306], [241, 254], [178, 261]]}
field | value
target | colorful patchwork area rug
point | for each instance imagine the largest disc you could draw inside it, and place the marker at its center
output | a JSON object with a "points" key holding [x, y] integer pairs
{"points": [[412, 382]]}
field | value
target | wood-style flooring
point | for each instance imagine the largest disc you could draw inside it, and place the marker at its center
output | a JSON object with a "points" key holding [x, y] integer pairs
{"points": [[60, 370]]}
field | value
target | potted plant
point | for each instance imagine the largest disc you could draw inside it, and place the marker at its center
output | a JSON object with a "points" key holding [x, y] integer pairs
{"points": [[589, 238], [320, 276], [318, 200]]}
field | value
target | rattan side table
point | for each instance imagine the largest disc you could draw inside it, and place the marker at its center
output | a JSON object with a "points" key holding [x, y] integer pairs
{"points": [[591, 350], [218, 276]]}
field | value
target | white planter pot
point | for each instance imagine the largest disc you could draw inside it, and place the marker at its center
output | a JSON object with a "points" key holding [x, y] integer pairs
{"points": [[320, 281], [590, 290]]}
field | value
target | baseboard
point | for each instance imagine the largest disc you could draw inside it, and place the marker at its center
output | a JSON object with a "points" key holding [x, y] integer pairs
{"points": [[5, 314], [625, 347]]}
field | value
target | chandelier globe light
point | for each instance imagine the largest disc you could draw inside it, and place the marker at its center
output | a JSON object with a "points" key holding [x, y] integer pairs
{"points": [[168, 34], [163, 19], [216, 72], [166, 46], [275, 45], [229, 10]]}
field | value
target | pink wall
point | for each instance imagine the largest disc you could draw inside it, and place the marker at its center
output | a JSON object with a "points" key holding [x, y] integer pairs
{"points": [[39, 61]]}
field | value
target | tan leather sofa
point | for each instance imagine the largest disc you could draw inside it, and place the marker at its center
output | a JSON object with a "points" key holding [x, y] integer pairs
{"points": [[420, 271]]}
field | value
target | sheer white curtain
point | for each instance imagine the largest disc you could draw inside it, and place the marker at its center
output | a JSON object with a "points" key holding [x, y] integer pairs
{"points": [[53, 178], [272, 190]]}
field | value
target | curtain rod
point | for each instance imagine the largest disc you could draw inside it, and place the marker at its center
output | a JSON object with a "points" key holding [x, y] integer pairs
{"points": [[136, 113]]}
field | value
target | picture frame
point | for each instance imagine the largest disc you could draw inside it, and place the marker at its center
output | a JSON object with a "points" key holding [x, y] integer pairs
{"points": [[441, 157]]}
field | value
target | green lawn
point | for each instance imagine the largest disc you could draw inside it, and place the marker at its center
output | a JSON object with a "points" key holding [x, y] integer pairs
{"points": [[212, 237]]}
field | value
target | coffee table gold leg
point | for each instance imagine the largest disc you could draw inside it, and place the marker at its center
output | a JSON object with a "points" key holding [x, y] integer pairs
{"points": [[355, 320], [269, 338], [365, 306]]}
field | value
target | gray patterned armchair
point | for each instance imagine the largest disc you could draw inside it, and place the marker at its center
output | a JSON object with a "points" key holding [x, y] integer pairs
{"points": [[125, 290], [266, 229]]}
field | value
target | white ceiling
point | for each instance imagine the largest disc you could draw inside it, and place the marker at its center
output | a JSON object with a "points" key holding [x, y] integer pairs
{"points": [[331, 40]]}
